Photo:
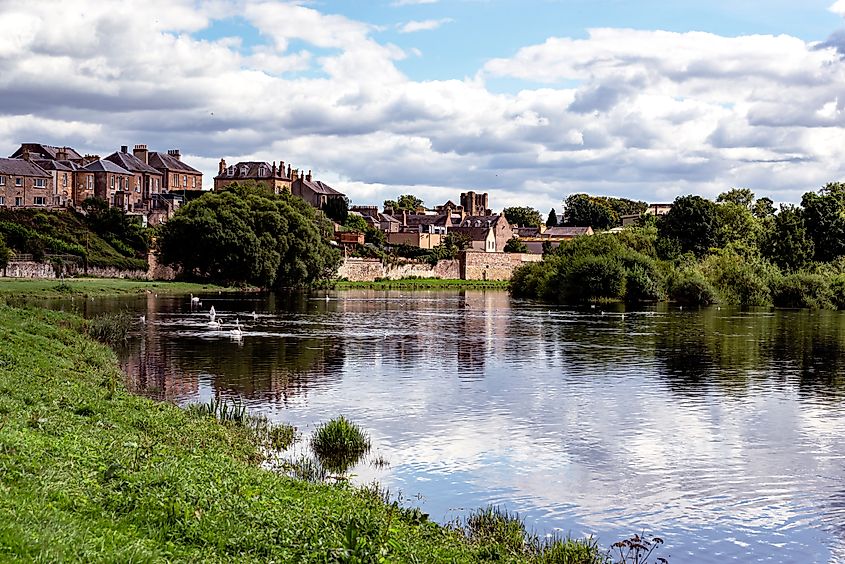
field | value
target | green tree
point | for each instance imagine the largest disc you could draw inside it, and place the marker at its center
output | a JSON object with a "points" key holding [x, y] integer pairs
{"points": [[737, 226], [5, 253], [357, 223], [692, 225], [763, 208], [407, 202], [523, 216], [787, 244], [244, 234], [515, 245], [552, 219], [742, 197], [337, 209], [824, 219], [588, 211]]}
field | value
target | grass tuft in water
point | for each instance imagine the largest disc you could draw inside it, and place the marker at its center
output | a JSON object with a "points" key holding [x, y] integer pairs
{"points": [[111, 328], [339, 444], [282, 436]]}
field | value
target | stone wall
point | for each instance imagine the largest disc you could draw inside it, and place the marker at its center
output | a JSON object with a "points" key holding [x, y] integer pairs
{"points": [[31, 269], [476, 265], [367, 270]]}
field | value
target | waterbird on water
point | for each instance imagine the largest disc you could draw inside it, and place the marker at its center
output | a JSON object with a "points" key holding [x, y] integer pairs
{"points": [[254, 315], [195, 299], [236, 332], [213, 324], [142, 319], [212, 313]]}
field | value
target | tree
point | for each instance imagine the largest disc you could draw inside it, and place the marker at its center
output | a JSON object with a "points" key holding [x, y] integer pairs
{"points": [[692, 225], [763, 208], [737, 226], [739, 196], [588, 211], [244, 234], [787, 243], [515, 245], [523, 216], [552, 219], [5, 253], [407, 202], [357, 223], [337, 209], [824, 219]]}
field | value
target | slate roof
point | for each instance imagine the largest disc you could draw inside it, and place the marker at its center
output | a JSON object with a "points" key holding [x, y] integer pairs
{"points": [[320, 187], [105, 166], [479, 220], [527, 231], [47, 164], [254, 169], [164, 161], [474, 233], [21, 167], [47, 151], [131, 163], [565, 231]]}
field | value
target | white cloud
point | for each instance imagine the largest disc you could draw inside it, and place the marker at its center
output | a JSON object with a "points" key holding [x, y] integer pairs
{"points": [[424, 25], [412, 2], [645, 114], [838, 7]]}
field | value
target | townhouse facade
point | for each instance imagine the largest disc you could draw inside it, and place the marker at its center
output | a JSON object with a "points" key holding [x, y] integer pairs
{"points": [[275, 178], [24, 184]]}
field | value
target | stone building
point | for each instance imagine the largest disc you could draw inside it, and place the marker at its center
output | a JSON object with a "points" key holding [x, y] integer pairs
{"points": [[273, 177], [489, 233], [314, 192], [146, 181], [475, 204], [47, 152], [176, 175], [24, 184], [112, 183]]}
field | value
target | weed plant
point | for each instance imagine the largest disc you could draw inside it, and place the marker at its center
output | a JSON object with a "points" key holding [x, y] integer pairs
{"points": [[111, 328], [339, 444]]}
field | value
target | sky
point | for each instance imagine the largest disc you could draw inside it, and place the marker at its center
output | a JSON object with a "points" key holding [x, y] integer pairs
{"points": [[529, 101]]}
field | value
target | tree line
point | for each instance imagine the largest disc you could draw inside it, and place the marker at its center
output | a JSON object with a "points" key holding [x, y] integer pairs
{"points": [[737, 249]]}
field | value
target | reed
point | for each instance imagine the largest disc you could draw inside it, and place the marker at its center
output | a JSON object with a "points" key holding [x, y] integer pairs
{"points": [[111, 328], [339, 444]]}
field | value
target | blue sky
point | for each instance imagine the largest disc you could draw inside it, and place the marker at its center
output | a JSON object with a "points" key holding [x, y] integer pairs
{"points": [[529, 101]]}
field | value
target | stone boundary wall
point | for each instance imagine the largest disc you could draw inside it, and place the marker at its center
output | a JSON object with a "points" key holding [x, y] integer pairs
{"points": [[472, 265], [367, 270], [32, 269]]}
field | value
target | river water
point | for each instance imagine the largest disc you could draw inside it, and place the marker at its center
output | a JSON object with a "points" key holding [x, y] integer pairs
{"points": [[721, 431]]}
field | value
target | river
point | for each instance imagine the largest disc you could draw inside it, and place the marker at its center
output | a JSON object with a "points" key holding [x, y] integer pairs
{"points": [[721, 431]]}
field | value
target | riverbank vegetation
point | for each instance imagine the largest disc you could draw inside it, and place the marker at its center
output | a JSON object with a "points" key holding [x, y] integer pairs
{"points": [[93, 473], [100, 287], [736, 250], [104, 237], [244, 234]]}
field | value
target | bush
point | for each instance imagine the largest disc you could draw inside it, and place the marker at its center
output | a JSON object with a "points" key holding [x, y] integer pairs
{"points": [[740, 281], [111, 328], [690, 287], [837, 291], [595, 277], [802, 290]]}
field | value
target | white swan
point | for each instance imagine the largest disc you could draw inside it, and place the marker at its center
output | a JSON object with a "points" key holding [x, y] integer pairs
{"points": [[254, 315], [195, 299], [236, 332], [212, 313], [214, 324], [142, 319]]}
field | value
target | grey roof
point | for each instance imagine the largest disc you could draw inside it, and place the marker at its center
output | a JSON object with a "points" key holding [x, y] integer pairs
{"points": [[21, 167], [47, 164], [46, 151], [479, 220], [417, 219], [565, 231], [320, 187], [131, 163], [254, 170], [163, 161], [527, 231], [105, 166], [474, 233]]}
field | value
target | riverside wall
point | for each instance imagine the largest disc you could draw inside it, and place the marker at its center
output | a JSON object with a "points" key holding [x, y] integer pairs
{"points": [[32, 269], [471, 265]]}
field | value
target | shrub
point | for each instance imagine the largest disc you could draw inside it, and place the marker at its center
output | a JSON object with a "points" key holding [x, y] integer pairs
{"points": [[111, 328], [690, 287], [532, 280], [802, 290], [495, 526], [837, 291], [740, 281], [339, 444], [595, 277]]}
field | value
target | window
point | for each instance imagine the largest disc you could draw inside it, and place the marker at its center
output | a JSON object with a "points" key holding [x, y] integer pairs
{"points": [[156, 183], [2, 199], [112, 182], [176, 181], [64, 180], [2, 180], [39, 201], [18, 181], [90, 182], [193, 182], [184, 181], [18, 201], [39, 183]]}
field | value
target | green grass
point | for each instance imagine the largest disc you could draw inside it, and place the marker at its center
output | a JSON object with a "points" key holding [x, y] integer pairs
{"points": [[339, 444], [98, 287], [421, 284], [93, 473]]}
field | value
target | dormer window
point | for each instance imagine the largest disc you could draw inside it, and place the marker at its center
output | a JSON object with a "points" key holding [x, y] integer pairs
{"points": [[231, 170], [244, 170], [262, 170]]}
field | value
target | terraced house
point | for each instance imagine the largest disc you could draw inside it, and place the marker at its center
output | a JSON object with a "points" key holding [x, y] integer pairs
{"points": [[24, 184], [176, 175], [273, 177]]}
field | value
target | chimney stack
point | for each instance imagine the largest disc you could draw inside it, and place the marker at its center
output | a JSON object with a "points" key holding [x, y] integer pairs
{"points": [[124, 149], [274, 169], [404, 218], [175, 154], [222, 167], [62, 154], [294, 174], [88, 159], [142, 153], [308, 176], [25, 155], [281, 168]]}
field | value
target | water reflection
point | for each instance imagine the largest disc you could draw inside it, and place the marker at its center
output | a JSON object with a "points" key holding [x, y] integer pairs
{"points": [[723, 431]]}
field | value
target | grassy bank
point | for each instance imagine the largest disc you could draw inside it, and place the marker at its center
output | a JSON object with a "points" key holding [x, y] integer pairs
{"points": [[102, 287], [92, 473], [421, 284]]}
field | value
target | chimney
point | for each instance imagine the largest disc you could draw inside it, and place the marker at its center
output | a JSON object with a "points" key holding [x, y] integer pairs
{"points": [[281, 168], [274, 169], [221, 168], [289, 176], [142, 153], [88, 159], [404, 218], [175, 154], [25, 155], [61, 154], [124, 149], [308, 176]]}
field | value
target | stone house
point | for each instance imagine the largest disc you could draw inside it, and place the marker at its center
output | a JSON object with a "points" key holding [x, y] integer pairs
{"points": [[273, 177], [146, 183], [112, 183], [314, 192], [47, 152], [489, 233], [62, 173], [553, 236], [176, 175], [24, 184]]}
